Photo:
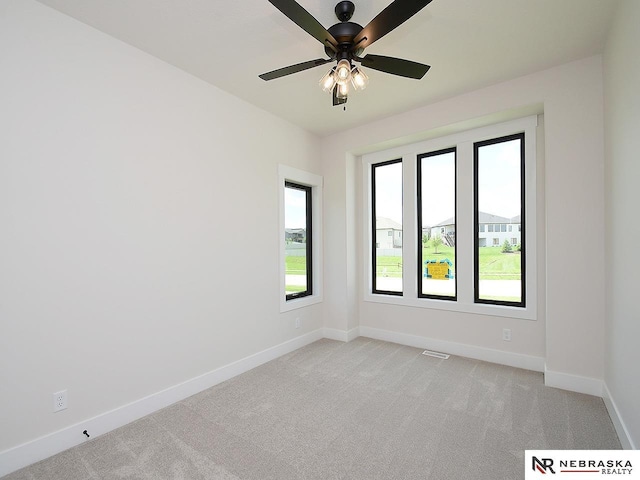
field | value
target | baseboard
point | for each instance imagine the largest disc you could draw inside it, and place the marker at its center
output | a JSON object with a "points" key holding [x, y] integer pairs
{"points": [[341, 335], [527, 362], [618, 423], [33, 451], [574, 383]]}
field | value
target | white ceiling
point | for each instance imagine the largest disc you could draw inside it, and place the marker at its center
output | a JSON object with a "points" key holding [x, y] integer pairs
{"points": [[468, 43]]}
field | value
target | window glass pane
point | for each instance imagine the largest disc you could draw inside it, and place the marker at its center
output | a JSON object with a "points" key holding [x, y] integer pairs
{"points": [[387, 224], [437, 224], [499, 194], [297, 226]]}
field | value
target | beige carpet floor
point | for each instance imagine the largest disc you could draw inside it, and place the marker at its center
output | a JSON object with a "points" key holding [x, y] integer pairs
{"points": [[360, 410]]}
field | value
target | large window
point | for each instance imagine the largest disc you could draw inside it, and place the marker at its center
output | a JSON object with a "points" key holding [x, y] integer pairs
{"points": [[448, 221], [499, 192], [298, 234], [437, 224], [386, 214]]}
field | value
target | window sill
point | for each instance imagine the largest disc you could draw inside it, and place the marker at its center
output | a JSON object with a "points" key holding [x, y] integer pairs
{"points": [[527, 313], [288, 305]]}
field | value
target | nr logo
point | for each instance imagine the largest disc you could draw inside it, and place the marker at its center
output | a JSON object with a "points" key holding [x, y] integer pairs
{"points": [[542, 465]]}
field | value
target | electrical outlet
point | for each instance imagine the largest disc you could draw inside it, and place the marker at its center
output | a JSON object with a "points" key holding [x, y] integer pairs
{"points": [[59, 400], [506, 334], [298, 322]]}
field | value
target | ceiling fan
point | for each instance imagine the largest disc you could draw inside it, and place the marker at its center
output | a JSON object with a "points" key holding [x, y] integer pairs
{"points": [[345, 42]]}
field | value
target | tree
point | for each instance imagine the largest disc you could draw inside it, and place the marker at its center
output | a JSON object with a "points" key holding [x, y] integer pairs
{"points": [[436, 241], [506, 247], [425, 239]]}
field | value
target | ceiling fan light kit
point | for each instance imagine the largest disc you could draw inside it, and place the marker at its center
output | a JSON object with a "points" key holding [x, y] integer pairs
{"points": [[359, 79], [345, 42], [328, 81]]}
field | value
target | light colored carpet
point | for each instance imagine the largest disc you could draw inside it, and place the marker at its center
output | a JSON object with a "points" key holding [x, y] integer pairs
{"points": [[360, 410]]}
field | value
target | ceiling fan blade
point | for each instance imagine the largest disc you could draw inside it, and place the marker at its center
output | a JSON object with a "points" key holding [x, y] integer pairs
{"points": [[395, 66], [298, 67], [388, 19], [306, 21]]}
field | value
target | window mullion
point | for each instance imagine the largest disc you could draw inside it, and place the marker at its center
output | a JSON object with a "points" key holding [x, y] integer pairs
{"points": [[464, 214], [409, 245]]}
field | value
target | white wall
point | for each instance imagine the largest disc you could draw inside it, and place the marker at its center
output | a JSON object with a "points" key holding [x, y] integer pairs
{"points": [[570, 326], [124, 183], [622, 120]]}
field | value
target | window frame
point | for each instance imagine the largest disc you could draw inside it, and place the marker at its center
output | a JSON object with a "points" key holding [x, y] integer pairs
{"points": [[308, 193], [463, 141], [373, 243], [503, 226], [420, 265], [287, 174]]}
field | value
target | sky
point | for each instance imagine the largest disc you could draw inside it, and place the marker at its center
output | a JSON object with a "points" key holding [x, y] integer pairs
{"points": [[499, 179], [294, 208], [438, 188], [498, 185]]}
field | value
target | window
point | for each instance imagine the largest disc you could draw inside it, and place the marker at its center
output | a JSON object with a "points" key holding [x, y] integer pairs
{"points": [[403, 189], [437, 206], [499, 190], [300, 238], [386, 212]]}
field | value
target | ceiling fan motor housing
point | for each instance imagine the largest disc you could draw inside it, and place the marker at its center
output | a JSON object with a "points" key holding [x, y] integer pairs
{"points": [[344, 32]]}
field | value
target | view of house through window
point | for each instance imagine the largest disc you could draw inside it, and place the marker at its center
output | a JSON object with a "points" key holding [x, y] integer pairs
{"points": [[463, 201], [386, 182], [297, 226], [499, 207], [437, 224]]}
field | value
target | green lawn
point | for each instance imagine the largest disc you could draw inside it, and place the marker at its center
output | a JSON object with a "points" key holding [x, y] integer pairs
{"points": [[295, 265], [295, 288], [494, 265], [389, 267]]}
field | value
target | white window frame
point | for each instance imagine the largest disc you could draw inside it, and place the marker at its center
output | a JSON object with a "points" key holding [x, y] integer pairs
{"points": [[463, 141], [291, 174]]}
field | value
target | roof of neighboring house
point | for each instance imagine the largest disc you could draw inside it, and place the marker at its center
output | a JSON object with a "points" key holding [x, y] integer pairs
{"points": [[484, 218], [489, 218], [384, 223], [448, 221]]}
